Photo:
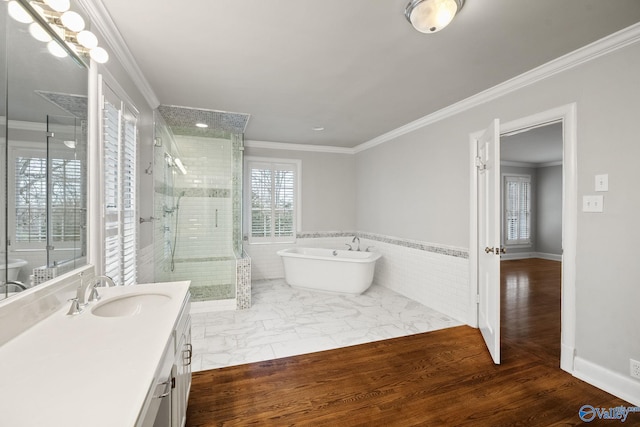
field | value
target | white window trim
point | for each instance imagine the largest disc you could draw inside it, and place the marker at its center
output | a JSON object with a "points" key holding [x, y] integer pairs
{"points": [[247, 200], [521, 244]]}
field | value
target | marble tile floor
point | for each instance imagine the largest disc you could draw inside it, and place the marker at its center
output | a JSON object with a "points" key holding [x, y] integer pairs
{"points": [[286, 322]]}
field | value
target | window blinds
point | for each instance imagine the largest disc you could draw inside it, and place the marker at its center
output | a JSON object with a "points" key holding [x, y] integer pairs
{"points": [[119, 153], [273, 204], [517, 209], [31, 199]]}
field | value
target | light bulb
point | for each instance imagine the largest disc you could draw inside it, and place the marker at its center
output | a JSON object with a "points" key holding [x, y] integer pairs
{"points": [[56, 50], [17, 12], [73, 21], [87, 39], [58, 5], [99, 55], [39, 33]]}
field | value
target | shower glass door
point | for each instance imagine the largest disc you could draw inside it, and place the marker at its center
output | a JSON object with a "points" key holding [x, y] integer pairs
{"points": [[197, 208]]}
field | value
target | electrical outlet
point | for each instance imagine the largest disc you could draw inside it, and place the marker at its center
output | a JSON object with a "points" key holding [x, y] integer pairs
{"points": [[635, 368]]}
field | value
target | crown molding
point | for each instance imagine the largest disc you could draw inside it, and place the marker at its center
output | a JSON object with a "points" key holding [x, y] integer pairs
{"points": [[517, 164], [608, 44], [100, 17], [298, 147], [549, 164], [530, 165]]}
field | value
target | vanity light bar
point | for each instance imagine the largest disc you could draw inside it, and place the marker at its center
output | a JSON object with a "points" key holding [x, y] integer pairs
{"points": [[51, 22]]}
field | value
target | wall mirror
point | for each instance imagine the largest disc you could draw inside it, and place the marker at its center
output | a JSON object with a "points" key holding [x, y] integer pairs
{"points": [[43, 152]]}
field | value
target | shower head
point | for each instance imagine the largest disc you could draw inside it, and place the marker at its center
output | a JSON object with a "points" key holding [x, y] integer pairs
{"points": [[178, 201]]}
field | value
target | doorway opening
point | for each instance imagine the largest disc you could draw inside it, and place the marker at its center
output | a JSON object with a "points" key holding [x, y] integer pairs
{"points": [[531, 234], [479, 285]]}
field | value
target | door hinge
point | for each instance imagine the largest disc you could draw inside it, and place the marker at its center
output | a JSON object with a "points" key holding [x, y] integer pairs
{"points": [[477, 298]]}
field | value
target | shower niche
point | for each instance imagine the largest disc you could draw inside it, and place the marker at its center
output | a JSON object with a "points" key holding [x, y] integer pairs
{"points": [[198, 205]]}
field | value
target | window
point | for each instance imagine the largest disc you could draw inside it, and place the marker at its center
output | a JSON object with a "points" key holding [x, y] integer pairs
{"points": [[517, 209], [273, 205], [119, 130], [32, 198]]}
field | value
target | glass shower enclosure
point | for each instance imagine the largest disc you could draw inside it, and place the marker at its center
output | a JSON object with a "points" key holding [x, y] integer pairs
{"points": [[198, 209]]}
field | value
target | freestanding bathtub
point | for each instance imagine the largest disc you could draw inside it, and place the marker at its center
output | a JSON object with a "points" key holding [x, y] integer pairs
{"points": [[13, 268], [328, 270]]}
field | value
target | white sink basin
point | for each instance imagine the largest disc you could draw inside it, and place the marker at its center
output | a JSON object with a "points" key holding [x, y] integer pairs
{"points": [[129, 305]]}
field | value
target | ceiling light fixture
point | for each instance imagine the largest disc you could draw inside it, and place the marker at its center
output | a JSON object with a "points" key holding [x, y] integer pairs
{"points": [[202, 125], [430, 16], [317, 128], [66, 24]]}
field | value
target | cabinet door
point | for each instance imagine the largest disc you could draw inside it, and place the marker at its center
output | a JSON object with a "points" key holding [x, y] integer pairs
{"points": [[183, 358]]}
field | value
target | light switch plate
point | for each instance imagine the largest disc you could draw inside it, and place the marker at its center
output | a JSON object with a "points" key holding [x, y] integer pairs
{"points": [[593, 203], [602, 182]]}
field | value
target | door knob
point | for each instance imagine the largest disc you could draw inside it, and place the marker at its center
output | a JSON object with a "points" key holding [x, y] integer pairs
{"points": [[496, 251]]}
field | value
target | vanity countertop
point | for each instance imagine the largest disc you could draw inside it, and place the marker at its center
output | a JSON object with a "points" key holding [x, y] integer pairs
{"points": [[86, 370]]}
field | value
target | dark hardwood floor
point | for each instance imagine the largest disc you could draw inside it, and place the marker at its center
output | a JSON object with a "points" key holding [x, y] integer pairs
{"points": [[440, 378]]}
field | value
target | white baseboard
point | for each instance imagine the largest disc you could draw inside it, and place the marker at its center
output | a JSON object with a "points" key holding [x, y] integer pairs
{"points": [[208, 306], [551, 257], [625, 388], [516, 255], [527, 255]]}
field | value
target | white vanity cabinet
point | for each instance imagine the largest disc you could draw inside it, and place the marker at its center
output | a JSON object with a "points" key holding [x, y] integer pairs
{"points": [[166, 404], [182, 371], [101, 368]]}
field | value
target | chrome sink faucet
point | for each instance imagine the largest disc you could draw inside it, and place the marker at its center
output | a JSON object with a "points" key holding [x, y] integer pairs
{"points": [[92, 285], [354, 240], [81, 300]]}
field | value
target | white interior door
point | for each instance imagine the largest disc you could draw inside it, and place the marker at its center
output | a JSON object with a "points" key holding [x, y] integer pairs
{"points": [[488, 169]]}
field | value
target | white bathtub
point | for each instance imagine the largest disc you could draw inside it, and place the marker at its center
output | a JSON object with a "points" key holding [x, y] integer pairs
{"points": [[14, 268], [328, 270]]}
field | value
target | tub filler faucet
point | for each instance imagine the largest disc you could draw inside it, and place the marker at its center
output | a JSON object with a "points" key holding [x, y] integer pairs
{"points": [[354, 240]]}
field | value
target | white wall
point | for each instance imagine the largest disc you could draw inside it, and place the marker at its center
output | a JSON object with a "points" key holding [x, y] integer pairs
{"points": [[328, 187], [417, 185], [548, 232]]}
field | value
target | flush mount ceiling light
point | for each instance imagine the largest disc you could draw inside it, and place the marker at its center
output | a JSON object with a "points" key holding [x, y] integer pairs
{"points": [[53, 19], [430, 16], [202, 125]]}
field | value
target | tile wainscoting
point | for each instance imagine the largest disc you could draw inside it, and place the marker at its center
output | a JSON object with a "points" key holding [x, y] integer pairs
{"points": [[434, 275]]}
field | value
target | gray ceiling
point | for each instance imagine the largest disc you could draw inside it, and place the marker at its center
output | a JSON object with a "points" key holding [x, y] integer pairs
{"points": [[356, 67], [536, 146]]}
